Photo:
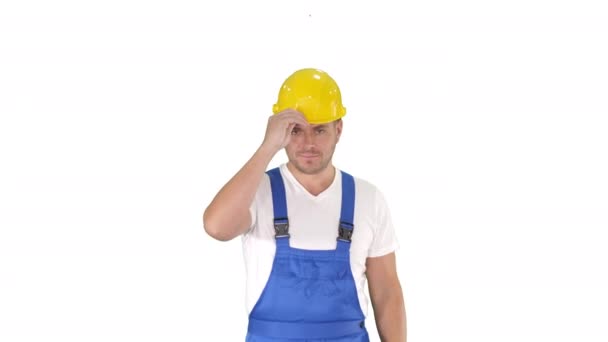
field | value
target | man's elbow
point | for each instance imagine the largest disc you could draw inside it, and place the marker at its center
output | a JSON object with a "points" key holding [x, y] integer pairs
{"points": [[217, 234], [213, 228], [216, 229]]}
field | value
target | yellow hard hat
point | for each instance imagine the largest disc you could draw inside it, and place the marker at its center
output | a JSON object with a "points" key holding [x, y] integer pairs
{"points": [[314, 93]]}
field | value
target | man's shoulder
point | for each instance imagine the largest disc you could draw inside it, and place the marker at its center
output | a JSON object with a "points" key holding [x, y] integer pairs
{"points": [[364, 186]]}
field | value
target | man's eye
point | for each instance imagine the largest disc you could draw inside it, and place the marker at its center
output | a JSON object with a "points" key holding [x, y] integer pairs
{"points": [[320, 130], [295, 131]]}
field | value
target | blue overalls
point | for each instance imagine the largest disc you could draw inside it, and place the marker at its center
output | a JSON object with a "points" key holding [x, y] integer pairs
{"points": [[310, 295]]}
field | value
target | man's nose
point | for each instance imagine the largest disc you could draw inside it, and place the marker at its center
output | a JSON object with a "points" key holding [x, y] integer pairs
{"points": [[309, 138]]}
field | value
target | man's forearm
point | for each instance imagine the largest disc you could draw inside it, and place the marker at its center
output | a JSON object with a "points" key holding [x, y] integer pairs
{"points": [[228, 214], [391, 318]]}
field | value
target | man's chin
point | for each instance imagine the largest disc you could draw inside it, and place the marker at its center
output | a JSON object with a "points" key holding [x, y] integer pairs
{"points": [[309, 168]]}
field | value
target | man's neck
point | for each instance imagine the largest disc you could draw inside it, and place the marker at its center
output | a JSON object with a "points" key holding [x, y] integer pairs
{"points": [[317, 183]]}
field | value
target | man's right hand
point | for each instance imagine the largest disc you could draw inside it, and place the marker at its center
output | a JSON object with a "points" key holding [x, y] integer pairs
{"points": [[280, 125]]}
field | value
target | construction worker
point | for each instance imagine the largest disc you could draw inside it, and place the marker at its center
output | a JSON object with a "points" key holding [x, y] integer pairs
{"points": [[312, 234]]}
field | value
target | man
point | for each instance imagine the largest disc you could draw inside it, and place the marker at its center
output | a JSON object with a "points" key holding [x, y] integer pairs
{"points": [[312, 234]]}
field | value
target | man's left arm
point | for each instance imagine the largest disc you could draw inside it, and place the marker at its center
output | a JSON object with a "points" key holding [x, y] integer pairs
{"points": [[387, 298]]}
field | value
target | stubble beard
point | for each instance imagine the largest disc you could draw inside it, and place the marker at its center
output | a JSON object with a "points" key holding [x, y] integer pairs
{"points": [[313, 168]]}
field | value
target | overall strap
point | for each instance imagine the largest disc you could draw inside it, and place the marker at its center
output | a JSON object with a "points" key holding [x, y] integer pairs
{"points": [[279, 207], [347, 212]]}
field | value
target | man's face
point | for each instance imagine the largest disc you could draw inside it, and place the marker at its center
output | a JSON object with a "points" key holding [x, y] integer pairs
{"points": [[311, 148]]}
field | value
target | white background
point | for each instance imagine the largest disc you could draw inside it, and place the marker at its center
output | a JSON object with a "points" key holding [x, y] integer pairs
{"points": [[483, 122]]}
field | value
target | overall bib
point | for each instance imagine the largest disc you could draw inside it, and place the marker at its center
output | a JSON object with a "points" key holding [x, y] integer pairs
{"points": [[310, 295]]}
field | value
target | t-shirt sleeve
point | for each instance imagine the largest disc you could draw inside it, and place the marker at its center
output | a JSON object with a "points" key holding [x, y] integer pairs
{"points": [[253, 212], [385, 239], [253, 208]]}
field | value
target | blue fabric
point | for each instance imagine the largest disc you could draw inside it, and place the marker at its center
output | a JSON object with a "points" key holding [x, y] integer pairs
{"points": [[347, 212], [311, 330], [360, 337], [310, 294], [279, 203]]}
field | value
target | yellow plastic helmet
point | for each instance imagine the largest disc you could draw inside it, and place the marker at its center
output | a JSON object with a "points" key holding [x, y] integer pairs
{"points": [[314, 93]]}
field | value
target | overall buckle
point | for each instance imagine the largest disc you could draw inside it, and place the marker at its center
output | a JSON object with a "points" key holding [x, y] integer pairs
{"points": [[281, 227], [345, 231]]}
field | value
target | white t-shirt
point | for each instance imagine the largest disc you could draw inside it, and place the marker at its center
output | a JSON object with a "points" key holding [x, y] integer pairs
{"points": [[313, 224]]}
